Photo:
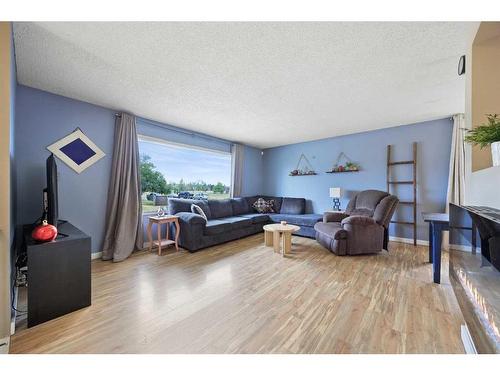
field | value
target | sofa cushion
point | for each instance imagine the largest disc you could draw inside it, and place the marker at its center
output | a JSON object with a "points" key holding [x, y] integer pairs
{"points": [[184, 205], [215, 226], [237, 222], [257, 218], [262, 206], [276, 205], [240, 206], [220, 208], [332, 230], [365, 202], [307, 220], [293, 206]]}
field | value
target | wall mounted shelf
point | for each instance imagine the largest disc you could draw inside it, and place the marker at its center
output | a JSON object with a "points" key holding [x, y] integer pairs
{"points": [[341, 171]]}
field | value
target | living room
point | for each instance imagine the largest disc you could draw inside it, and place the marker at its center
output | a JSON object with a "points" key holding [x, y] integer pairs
{"points": [[250, 187]]}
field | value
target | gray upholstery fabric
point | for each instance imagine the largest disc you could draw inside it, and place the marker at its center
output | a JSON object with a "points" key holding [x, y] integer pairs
{"points": [[220, 208], [385, 209], [293, 206], [237, 222], [257, 218], [240, 206], [365, 200], [176, 205], [123, 233], [365, 224], [216, 226], [301, 220], [332, 217]]}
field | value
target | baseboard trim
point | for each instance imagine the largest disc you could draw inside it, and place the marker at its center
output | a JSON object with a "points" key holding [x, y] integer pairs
{"points": [[96, 255], [467, 341], [408, 240], [4, 345]]}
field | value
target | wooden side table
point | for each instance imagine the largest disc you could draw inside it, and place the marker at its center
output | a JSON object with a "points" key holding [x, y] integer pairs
{"points": [[159, 220]]}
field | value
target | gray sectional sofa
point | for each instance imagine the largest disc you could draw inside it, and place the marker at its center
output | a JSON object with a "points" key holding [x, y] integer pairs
{"points": [[230, 219]]}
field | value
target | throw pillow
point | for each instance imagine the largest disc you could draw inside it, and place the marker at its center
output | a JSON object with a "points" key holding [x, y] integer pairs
{"points": [[195, 209], [262, 206]]}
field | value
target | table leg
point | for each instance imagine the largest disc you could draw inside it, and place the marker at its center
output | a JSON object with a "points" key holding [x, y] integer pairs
{"points": [[268, 238], [436, 252], [430, 242], [177, 232], [287, 243], [159, 238], [276, 241], [473, 238], [150, 235]]}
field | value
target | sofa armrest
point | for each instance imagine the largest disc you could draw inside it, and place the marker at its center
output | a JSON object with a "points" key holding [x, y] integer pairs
{"points": [[190, 218], [330, 217], [358, 220]]}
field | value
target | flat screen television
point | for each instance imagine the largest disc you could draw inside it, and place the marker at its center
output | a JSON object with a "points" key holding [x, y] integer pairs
{"points": [[50, 192]]}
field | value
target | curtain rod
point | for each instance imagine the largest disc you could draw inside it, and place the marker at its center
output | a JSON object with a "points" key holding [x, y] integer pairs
{"points": [[179, 130]]}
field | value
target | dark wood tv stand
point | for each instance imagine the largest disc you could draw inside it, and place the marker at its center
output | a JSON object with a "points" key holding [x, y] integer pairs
{"points": [[58, 274]]}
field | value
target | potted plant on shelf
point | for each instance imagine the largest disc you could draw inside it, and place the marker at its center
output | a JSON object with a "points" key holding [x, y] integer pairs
{"points": [[487, 134]]}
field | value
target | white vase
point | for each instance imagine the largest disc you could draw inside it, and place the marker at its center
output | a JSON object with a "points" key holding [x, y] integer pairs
{"points": [[495, 153]]}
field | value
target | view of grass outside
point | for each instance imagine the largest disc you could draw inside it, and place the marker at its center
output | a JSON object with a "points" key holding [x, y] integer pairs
{"points": [[178, 171]]}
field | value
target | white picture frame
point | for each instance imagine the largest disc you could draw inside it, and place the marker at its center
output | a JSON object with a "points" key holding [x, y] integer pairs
{"points": [[55, 148]]}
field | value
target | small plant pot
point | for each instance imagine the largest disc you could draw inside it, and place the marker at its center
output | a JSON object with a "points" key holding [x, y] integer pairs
{"points": [[495, 153]]}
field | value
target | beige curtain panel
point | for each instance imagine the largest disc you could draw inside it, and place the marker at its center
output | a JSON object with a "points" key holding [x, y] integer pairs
{"points": [[124, 211]]}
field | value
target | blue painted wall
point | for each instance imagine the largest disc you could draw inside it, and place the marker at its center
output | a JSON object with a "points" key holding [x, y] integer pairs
{"points": [[42, 118], [253, 182], [369, 150]]}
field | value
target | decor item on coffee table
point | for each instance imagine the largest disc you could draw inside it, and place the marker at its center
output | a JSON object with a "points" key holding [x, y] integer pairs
{"points": [[362, 228], [272, 233], [305, 170], [335, 194], [159, 220]]}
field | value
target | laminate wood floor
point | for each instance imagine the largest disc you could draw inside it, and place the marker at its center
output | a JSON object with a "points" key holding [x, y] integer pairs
{"points": [[241, 297]]}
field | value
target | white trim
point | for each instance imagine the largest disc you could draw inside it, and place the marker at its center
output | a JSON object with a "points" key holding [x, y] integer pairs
{"points": [[96, 255], [4, 349], [160, 141], [408, 240], [467, 341], [55, 148], [466, 248]]}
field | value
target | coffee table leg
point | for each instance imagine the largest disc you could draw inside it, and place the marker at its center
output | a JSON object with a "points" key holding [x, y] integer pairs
{"points": [[268, 238], [276, 241], [287, 243]]}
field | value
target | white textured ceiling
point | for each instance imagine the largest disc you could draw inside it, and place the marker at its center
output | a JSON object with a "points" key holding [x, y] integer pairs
{"points": [[262, 84]]}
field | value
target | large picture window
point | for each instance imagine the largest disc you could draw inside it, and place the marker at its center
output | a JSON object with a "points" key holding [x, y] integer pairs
{"points": [[175, 170]]}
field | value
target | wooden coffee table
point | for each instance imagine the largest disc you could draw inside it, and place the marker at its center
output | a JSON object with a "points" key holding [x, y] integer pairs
{"points": [[272, 233]]}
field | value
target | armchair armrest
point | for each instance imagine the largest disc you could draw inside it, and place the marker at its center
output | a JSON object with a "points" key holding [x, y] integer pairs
{"points": [[190, 218], [358, 220], [330, 217]]}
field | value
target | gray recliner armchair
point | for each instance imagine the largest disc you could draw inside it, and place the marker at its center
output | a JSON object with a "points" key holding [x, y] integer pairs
{"points": [[363, 228]]}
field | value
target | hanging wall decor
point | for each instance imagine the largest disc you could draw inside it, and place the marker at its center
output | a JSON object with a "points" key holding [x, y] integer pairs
{"points": [[344, 164], [305, 169], [77, 151]]}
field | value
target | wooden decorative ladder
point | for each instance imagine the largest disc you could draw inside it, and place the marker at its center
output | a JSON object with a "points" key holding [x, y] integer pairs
{"points": [[412, 182]]}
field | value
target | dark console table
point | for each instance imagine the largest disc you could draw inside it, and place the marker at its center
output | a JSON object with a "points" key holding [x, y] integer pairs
{"points": [[438, 222], [58, 274]]}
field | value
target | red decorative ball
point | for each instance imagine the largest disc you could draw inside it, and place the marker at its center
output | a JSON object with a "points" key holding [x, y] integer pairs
{"points": [[44, 232]]}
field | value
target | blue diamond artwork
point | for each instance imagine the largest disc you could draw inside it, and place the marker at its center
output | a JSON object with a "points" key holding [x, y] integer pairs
{"points": [[78, 151]]}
